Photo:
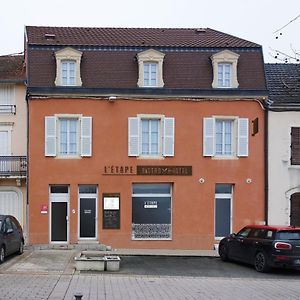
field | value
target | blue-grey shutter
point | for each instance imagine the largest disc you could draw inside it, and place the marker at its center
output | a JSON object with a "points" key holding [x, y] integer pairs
{"points": [[208, 136], [86, 136], [133, 136], [50, 136], [243, 137], [169, 136]]}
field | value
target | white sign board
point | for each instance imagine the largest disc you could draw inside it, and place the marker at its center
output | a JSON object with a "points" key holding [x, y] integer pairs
{"points": [[111, 203]]}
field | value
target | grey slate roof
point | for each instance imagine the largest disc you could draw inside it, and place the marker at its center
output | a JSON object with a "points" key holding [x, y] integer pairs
{"points": [[12, 68], [283, 83]]}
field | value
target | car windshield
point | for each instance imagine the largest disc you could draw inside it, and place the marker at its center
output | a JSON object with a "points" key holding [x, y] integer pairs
{"points": [[288, 235]]}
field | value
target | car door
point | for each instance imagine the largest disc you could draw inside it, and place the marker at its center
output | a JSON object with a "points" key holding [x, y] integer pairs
{"points": [[236, 245], [8, 236]]}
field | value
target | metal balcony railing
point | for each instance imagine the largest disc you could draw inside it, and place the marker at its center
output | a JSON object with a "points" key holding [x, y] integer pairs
{"points": [[13, 166]]}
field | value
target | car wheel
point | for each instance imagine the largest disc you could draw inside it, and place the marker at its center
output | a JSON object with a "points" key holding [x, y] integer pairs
{"points": [[2, 254], [223, 252], [260, 262], [21, 249]]}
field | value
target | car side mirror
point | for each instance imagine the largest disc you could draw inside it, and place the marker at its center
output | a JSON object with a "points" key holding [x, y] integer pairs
{"points": [[233, 235]]}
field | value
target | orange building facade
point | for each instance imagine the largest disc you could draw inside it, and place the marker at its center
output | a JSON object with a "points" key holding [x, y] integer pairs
{"points": [[162, 168]]}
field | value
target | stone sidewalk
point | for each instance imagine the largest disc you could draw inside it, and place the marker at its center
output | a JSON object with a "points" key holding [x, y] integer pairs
{"points": [[50, 274]]}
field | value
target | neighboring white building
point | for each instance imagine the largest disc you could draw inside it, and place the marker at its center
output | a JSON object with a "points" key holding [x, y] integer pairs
{"points": [[283, 82], [13, 138]]}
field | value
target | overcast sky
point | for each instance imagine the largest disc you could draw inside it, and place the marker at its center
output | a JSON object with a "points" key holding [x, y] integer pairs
{"points": [[253, 20]]}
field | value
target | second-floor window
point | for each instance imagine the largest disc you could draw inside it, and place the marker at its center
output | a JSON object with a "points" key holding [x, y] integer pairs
{"points": [[150, 74], [68, 72], [68, 141], [225, 137], [295, 146], [151, 136], [224, 75], [68, 136]]}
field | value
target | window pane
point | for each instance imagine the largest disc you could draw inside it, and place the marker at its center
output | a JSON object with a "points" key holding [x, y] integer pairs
{"points": [[152, 188], [223, 188], [59, 189], [87, 189]]}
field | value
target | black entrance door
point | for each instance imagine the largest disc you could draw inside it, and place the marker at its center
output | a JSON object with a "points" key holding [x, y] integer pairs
{"points": [[59, 221], [295, 210], [87, 217]]}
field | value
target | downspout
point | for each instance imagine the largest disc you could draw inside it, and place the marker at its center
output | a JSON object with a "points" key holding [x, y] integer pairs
{"points": [[266, 156], [27, 173]]}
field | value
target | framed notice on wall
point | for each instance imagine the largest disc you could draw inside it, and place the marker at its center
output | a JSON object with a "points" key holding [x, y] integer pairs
{"points": [[111, 211]]}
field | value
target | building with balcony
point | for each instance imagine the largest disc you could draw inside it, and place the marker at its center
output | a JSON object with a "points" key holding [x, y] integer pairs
{"points": [[13, 137]]}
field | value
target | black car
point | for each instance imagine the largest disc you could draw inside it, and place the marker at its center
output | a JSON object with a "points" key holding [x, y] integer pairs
{"points": [[264, 247], [11, 237]]}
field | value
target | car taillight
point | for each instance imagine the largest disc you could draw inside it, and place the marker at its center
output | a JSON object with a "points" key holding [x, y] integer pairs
{"points": [[283, 246]]}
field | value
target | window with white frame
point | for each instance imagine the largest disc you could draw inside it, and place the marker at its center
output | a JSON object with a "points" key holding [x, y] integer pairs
{"points": [[68, 136], [68, 62], [152, 211], [151, 136], [150, 74], [225, 137], [7, 99], [224, 75], [68, 72], [224, 65], [223, 207], [150, 68]]}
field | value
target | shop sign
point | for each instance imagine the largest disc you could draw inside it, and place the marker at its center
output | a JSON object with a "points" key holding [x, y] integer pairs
{"points": [[111, 211], [44, 209], [150, 204], [165, 170], [118, 170], [111, 203]]}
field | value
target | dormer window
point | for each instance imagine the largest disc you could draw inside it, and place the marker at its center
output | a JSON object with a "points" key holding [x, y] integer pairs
{"points": [[68, 72], [150, 73], [150, 68], [225, 69], [68, 67]]}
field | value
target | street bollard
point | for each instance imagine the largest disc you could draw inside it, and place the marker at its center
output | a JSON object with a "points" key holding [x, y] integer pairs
{"points": [[78, 296]]}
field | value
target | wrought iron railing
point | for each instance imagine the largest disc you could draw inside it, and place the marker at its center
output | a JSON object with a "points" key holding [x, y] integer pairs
{"points": [[13, 166]]}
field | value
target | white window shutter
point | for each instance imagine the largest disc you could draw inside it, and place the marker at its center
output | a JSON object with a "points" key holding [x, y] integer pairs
{"points": [[243, 137], [50, 136], [169, 136], [86, 136], [133, 136], [208, 136]]}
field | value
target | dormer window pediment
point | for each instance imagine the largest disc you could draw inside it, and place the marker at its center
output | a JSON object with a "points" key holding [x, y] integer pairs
{"points": [[225, 69], [150, 68], [68, 67]]}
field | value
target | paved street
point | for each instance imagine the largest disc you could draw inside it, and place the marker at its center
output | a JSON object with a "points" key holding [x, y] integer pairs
{"points": [[49, 274]]}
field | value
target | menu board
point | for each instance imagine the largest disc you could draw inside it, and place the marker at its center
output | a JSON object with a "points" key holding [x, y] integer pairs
{"points": [[111, 211]]}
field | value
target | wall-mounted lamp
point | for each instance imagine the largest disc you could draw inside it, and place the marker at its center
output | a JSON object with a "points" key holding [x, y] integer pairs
{"points": [[201, 180], [248, 180], [112, 98]]}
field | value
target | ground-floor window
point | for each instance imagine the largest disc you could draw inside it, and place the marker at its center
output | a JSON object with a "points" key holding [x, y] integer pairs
{"points": [[151, 211], [295, 210], [223, 203]]}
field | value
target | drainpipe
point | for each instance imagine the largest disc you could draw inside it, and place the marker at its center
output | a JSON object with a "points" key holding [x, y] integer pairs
{"points": [[266, 156], [27, 173]]}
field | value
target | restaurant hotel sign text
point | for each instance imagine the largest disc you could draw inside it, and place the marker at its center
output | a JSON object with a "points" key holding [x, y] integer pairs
{"points": [[148, 170]]}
